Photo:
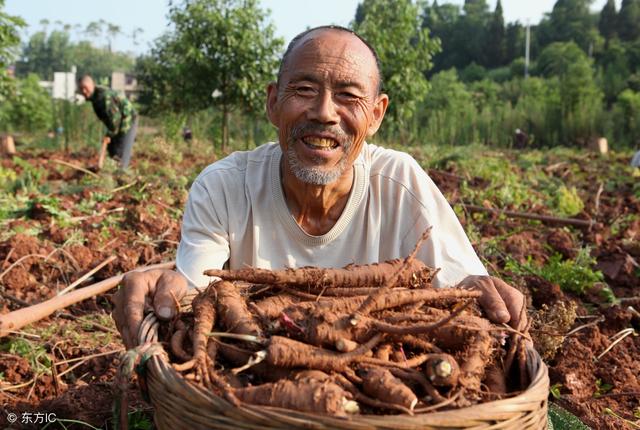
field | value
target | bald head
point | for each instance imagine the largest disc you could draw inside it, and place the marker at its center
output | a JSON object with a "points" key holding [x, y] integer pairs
{"points": [[87, 86], [310, 37]]}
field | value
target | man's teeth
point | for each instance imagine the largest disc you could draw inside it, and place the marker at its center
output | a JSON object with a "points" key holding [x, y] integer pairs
{"points": [[320, 142]]}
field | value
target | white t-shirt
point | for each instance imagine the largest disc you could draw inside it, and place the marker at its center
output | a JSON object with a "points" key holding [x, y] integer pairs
{"points": [[236, 213]]}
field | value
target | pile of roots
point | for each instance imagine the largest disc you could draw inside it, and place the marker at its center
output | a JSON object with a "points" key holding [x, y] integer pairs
{"points": [[374, 339]]}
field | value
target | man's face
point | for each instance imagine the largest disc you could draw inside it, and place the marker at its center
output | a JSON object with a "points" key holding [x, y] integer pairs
{"points": [[325, 105], [86, 88]]}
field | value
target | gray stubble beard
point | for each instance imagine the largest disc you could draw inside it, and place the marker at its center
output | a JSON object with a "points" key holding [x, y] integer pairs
{"points": [[316, 175]]}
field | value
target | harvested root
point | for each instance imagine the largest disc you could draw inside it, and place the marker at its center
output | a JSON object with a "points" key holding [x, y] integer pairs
{"points": [[320, 340], [232, 307], [351, 276], [442, 370], [306, 395], [382, 385]]}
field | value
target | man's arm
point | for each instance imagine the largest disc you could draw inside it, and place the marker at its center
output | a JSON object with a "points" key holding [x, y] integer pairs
{"points": [[450, 249], [204, 244]]}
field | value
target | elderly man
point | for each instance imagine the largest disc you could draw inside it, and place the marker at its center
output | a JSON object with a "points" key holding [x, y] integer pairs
{"points": [[118, 114], [321, 196]]}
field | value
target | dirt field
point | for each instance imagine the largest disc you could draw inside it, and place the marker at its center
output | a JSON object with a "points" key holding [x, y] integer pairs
{"points": [[59, 222]]}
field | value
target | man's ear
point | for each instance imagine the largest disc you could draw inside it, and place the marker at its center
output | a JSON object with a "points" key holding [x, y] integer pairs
{"points": [[379, 109], [272, 104]]}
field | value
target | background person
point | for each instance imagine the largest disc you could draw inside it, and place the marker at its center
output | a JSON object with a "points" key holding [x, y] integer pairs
{"points": [[118, 114]]}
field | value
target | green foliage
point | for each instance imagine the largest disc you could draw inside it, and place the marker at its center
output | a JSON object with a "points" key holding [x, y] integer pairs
{"points": [[608, 23], [628, 20], [34, 352], [576, 276], [570, 20], [601, 388], [46, 53], [567, 202], [220, 53], [561, 419], [580, 98], [28, 107], [555, 390], [9, 40], [627, 117], [405, 50]]}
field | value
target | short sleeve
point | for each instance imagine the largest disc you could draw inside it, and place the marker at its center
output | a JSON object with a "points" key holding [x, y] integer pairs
{"points": [[204, 243]]}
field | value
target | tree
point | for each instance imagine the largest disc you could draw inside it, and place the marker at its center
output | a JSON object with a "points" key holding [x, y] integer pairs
{"points": [[608, 20], [441, 21], [496, 39], [221, 53], [9, 41], [45, 54], [405, 50], [514, 41], [570, 20], [629, 20], [580, 97]]}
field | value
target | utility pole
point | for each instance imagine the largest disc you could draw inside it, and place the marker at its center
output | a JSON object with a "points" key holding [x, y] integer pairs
{"points": [[526, 50]]}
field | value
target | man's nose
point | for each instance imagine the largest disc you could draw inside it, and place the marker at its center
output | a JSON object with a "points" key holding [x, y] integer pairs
{"points": [[324, 109]]}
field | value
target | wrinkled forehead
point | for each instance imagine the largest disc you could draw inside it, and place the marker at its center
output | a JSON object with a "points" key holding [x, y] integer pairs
{"points": [[335, 50]]}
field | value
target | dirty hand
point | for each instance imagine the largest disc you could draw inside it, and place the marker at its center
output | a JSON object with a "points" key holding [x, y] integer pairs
{"points": [[500, 301], [157, 289]]}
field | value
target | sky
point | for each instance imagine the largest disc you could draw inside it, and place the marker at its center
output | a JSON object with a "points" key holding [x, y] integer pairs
{"points": [[289, 16]]}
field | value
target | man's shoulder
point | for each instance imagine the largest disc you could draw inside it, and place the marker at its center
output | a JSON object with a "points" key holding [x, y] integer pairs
{"points": [[239, 164], [390, 162]]}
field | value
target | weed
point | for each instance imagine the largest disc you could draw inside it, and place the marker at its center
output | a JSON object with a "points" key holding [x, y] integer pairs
{"points": [[34, 353], [139, 420], [567, 202], [601, 388], [555, 390], [576, 276]]}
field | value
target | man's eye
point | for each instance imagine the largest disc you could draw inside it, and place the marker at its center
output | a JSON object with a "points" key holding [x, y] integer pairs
{"points": [[347, 95], [304, 90]]}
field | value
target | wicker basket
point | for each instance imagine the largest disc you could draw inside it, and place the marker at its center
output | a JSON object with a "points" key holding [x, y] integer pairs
{"points": [[180, 404]]}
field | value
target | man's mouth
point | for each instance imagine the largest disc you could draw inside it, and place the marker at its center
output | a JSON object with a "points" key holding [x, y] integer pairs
{"points": [[320, 142]]}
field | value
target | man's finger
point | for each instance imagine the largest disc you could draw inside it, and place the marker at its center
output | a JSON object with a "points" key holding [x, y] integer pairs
{"points": [[514, 301], [491, 301], [135, 290], [170, 289]]}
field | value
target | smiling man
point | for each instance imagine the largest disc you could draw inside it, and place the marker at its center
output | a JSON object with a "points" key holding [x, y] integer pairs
{"points": [[321, 196]]}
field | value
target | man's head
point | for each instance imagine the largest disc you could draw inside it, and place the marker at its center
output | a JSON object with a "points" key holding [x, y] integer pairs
{"points": [[86, 86], [326, 102]]}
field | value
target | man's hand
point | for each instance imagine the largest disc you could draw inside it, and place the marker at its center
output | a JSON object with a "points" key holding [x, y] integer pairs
{"points": [[106, 140], [159, 290], [500, 301]]}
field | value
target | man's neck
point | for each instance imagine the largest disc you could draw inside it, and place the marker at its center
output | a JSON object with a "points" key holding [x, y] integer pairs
{"points": [[316, 208]]}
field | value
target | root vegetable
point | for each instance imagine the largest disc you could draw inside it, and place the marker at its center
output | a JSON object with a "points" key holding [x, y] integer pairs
{"points": [[232, 308], [272, 307], [351, 276], [382, 385], [177, 340], [383, 352], [307, 395], [285, 352], [442, 370]]}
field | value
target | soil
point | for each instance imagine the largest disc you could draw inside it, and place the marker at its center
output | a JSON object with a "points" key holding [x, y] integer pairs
{"points": [[42, 256]]}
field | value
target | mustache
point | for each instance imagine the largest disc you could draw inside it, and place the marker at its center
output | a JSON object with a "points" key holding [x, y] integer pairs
{"points": [[337, 133]]}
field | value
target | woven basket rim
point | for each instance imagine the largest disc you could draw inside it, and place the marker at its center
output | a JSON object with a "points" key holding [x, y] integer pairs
{"points": [[528, 406]]}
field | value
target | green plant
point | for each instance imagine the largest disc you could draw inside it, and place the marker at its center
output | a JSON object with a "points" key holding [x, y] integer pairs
{"points": [[576, 276], [35, 353], [555, 390], [567, 202], [601, 388], [139, 420]]}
